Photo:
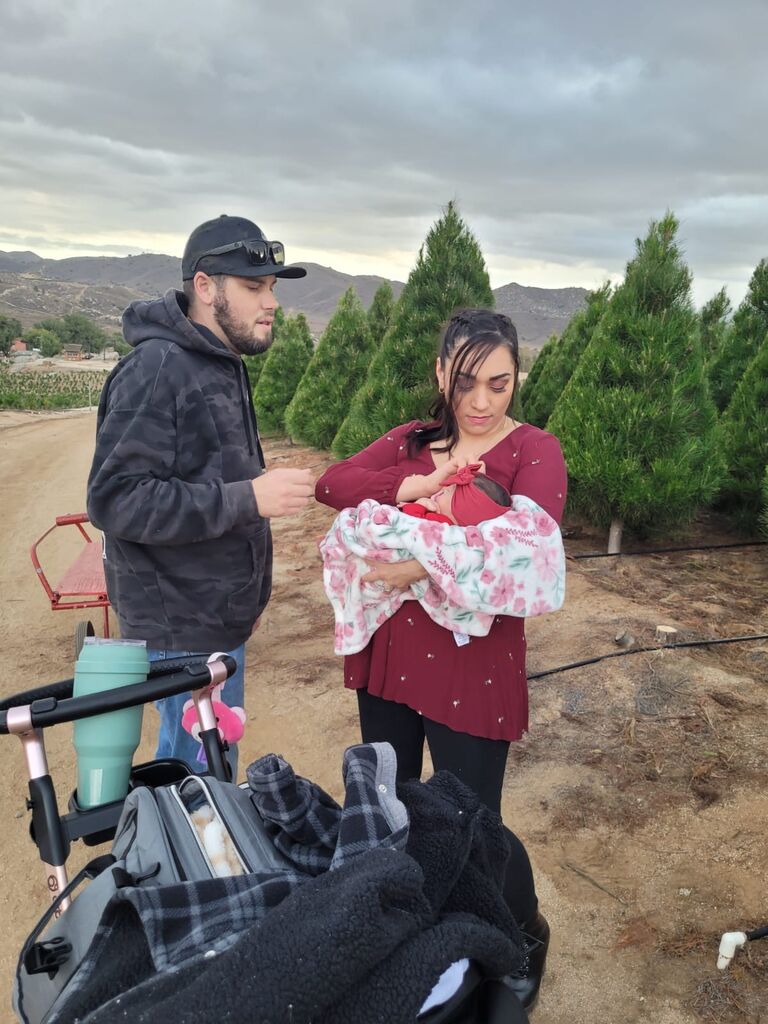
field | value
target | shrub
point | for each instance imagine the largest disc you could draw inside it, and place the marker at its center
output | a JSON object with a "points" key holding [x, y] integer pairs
{"points": [[255, 364], [536, 372], [713, 324], [76, 329], [45, 340], [10, 329], [636, 422], [334, 373], [283, 369], [744, 429], [741, 342], [541, 396], [449, 273], [380, 313]]}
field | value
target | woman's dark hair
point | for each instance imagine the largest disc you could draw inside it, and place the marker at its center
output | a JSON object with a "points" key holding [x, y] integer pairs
{"points": [[475, 333], [493, 490]]}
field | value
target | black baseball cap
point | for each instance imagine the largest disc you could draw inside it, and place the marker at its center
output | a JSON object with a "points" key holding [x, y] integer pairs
{"points": [[234, 245]]}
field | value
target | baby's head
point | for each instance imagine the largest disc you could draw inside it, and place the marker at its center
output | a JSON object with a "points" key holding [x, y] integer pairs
{"points": [[470, 497]]}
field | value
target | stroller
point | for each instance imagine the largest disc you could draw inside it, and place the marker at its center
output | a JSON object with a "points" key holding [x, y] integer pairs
{"points": [[158, 848]]}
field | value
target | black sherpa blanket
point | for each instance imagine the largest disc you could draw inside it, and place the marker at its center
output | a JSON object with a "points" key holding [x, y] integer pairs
{"points": [[363, 944]]}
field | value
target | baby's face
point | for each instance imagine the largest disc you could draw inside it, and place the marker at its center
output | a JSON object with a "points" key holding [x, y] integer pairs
{"points": [[442, 500]]}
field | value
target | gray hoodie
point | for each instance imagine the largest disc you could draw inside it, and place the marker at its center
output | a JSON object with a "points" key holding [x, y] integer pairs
{"points": [[188, 558]]}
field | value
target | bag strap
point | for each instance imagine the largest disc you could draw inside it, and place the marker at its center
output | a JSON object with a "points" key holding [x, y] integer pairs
{"points": [[39, 957]]}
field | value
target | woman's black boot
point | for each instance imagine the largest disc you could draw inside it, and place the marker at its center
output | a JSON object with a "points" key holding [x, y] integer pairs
{"points": [[527, 982]]}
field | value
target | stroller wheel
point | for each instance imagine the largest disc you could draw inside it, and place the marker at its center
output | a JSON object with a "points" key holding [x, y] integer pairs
{"points": [[83, 629]]}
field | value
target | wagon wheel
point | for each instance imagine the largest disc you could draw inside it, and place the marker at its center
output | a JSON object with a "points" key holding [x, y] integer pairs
{"points": [[84, 629]]}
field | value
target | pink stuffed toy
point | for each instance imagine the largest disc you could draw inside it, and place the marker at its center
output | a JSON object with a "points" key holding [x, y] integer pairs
{"points": [[231, 721]]}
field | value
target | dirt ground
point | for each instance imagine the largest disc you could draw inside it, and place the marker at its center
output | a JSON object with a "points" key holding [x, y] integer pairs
{"points": [[640, 792]]}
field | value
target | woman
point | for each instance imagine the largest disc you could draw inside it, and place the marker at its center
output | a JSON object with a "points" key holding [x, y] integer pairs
{"points": [[413, 681]]}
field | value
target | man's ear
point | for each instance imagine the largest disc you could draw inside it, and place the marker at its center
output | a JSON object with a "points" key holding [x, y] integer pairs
{"points": [[205, 288]]}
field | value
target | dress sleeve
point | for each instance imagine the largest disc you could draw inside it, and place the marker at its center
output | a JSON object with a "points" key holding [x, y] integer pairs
{"points": [[542, 475], [375, 472]]}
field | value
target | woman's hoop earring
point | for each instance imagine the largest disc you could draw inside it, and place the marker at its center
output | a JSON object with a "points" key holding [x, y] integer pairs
{"points": [[441, 390]]}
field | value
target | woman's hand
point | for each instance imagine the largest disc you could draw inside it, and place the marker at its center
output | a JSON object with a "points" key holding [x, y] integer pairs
{"points": [[425, 485], [395, 575]]}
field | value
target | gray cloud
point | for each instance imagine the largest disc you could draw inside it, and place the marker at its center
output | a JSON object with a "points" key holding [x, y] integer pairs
{"points": [[561, 131]]}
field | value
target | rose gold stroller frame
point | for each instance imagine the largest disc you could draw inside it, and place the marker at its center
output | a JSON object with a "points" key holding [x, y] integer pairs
{"points": [[53, 832], [33, 745]]}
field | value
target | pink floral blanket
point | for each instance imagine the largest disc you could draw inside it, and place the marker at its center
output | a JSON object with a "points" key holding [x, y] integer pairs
{"points": [[511, 565]]}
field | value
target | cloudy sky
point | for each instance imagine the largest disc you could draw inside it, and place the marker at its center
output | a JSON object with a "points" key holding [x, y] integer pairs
{"points": [[561, 128]]}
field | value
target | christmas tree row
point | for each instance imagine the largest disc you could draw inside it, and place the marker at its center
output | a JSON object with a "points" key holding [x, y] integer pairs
{"points": [[660, 410]]}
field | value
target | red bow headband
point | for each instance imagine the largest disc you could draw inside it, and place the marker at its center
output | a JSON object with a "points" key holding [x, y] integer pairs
{"points": [[469, 504]]}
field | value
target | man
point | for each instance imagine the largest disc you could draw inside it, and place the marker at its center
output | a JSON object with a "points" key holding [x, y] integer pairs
{"points": [[178, 485]]}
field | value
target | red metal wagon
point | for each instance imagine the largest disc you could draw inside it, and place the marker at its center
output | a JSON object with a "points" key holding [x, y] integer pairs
{"points": [[83, 584]]}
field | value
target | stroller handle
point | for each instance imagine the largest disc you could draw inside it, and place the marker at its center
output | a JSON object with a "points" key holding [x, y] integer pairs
{"points": [[53, 703]]}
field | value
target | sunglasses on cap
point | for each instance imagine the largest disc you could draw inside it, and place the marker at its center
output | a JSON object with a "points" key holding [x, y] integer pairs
{"points": [[258, 251]]}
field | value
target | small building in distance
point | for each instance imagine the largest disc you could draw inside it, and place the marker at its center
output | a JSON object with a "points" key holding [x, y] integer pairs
{"points": [[72, 352], [17, 345]]}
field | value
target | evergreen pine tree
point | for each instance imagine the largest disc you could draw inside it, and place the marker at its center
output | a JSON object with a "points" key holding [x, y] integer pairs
{"points": [[744, 428], [449, 273], [713, 324], [255, 364], [536, 372], [636, 421], [741, 342], [764, 517], [516, 410], [284, 367], [380, 313], [334, 374], [558, 370]]}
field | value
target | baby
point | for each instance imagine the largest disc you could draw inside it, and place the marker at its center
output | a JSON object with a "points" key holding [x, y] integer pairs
{"points": [[466, 498]]}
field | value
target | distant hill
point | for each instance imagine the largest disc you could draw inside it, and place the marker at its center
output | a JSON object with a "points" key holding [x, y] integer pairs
{"points": [[20, 260], [32, 288], [537, 313]]}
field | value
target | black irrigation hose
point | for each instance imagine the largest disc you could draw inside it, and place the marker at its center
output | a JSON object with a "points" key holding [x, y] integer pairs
{"points": [[645, 650], [664, 551]]}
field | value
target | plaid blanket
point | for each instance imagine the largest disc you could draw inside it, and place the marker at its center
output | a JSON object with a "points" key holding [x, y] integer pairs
{"points": [[359, 945], [151, 929], [308, 826]]}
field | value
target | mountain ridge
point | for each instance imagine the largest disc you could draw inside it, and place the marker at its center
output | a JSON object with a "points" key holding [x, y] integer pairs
{"points": [[33, 287]]}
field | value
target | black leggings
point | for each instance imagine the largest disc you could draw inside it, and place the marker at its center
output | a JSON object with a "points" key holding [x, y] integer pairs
{"points": [[478, 762]]}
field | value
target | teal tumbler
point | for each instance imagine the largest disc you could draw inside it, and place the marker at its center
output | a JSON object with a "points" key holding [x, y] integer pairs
{"points": [[105, 744]]}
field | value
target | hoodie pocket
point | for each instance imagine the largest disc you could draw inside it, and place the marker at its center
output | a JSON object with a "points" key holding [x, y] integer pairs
{"points": [[244, 603]]}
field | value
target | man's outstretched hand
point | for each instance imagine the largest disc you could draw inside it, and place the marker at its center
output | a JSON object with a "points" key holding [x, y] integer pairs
{"points": [[283, 492]]}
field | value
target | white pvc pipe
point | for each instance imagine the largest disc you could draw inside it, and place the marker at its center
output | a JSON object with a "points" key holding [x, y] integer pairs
{"points": [[730, 942]]}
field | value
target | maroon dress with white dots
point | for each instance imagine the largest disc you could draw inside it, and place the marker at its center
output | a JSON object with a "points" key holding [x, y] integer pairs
{"points": [[478, 688]]}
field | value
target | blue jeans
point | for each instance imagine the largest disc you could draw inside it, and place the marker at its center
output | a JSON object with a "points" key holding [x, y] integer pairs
{"points": [[174, 741]]}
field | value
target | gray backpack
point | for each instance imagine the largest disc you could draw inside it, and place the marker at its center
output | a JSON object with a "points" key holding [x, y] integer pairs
{"points": [[172, 834]]}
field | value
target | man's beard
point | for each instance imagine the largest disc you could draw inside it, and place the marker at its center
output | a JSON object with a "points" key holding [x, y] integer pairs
{"points": [[239, 335]]}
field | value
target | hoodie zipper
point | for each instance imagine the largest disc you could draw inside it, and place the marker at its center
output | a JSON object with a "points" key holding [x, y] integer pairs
{"points": [[254, 431], [244, 404]]}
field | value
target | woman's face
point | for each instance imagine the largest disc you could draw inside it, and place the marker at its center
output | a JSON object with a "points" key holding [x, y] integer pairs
{"points": [[480, 402]]}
